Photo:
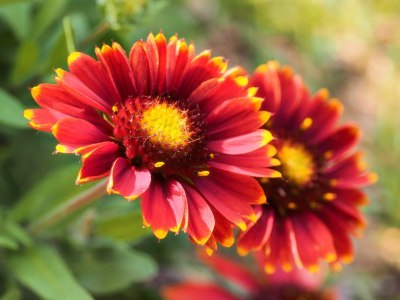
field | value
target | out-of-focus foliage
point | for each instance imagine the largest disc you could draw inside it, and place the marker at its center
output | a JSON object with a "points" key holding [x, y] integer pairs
{"points": [[102, 251]]}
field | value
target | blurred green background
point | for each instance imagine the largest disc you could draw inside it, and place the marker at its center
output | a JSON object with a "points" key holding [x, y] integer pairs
{"points": [[351, 47]]}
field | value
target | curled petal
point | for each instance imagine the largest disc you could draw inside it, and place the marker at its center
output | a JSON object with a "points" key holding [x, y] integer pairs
{"points": [[97, 162], [127, 181], [201, 219], [76, 133]]}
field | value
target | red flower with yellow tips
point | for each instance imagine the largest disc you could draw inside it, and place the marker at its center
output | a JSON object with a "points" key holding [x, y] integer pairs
{"points": [[177, 129], [314, 208], [297, 285]]}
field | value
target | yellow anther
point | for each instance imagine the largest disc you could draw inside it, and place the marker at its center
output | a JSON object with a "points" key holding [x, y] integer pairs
{"points": [[329, 196], [203, 173], [159, 164], [292, 205], [114, 109], [307, 122], [328, 154]]}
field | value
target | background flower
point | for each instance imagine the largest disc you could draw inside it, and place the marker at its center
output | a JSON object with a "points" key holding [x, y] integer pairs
{"points": [[313, 208], [299, 284]]}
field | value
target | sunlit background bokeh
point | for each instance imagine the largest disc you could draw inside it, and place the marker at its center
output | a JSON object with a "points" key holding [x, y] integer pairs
{"points": [[350, 47]]}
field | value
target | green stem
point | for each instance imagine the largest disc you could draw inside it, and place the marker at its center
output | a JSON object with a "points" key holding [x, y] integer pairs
{"points": [[69, 207], [69, 36]]}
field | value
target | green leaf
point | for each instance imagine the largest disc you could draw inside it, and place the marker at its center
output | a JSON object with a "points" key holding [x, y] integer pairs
{"points": [[16, 232], [49, 12], [106, 270], [11, 111], [12, 293], [25, 62], [43, 271], [14, 1], [53, 190], [8, 243], [17, 16], [126, 226]]}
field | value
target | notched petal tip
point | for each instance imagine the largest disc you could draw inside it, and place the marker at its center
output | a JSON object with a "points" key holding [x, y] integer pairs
{"points": [[269, 269], [73, 56], [35, 91], [28, 114], [242, 251], [373, 177], [160, 233]]}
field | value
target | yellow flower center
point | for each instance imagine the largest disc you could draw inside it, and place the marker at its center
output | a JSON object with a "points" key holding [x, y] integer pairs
{"points": [[297, 163], [166, 125]]}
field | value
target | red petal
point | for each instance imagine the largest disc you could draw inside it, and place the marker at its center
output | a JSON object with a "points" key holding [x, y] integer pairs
{"points": [[163, 207], [205, 90], [266, 79], [115, 61], [260, 157], [215, 91], [342, 241], [236, 117], [94, 76], [79, 90], [349, 173], [140, 68], [97, 163], [178, 55], [200, 69], [257, 235], [231, 195], [291, 86], [340, 142], [223, 230], [324, 115], [128, 181], [153, 60], [313, 239], [351, 196], [234, 272], [241, 144], [201, 218], [57, 99], [42, 119], [161, 45], [197, 291], [76, 133]]}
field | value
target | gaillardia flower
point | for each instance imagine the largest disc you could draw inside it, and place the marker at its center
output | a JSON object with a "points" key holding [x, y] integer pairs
{"points": [[314, 208], [179, 130], [297, 285]]}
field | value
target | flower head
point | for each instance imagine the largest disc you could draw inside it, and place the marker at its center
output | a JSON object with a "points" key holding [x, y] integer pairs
{"points": [[177, 129], [299, 284], [314, 208]]}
